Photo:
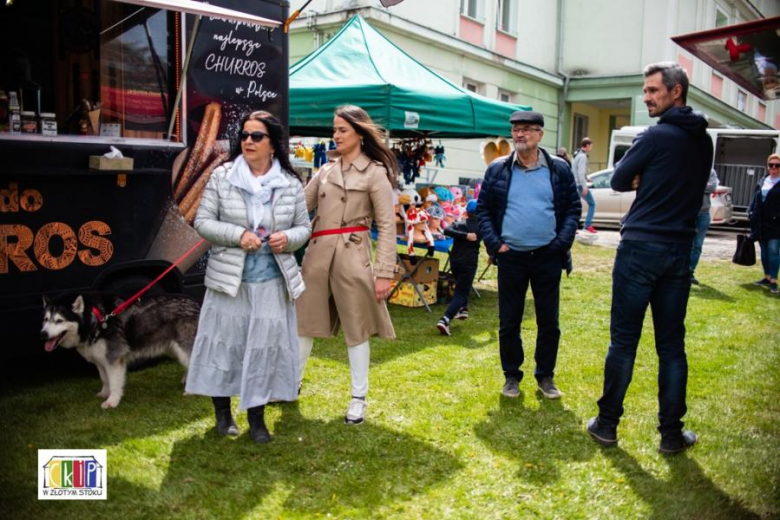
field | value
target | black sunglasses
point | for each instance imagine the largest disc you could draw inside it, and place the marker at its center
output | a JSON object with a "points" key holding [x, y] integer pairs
{"points": [[256, 136], [773, 165]]}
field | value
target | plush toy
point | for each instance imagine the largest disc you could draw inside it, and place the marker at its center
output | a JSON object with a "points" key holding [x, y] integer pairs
{"points": [[401, 202], [456, 193], [443, 193], [451, 214], [417, 229], [436, 215], [413, 196]]}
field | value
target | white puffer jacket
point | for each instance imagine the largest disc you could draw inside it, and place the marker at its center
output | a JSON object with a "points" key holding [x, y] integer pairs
{"points": [[222, 218]]}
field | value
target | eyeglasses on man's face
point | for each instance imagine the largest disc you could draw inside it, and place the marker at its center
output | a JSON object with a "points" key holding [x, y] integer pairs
{"points": [[256, 136], [525, 130], [773, 165]]}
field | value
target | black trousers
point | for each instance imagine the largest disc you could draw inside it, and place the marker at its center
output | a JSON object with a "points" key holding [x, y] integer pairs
{"points": [[541, 269]]}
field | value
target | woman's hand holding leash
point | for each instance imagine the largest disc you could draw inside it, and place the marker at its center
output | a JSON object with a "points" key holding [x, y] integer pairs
{"points": [[250, 242], [278, 241]]}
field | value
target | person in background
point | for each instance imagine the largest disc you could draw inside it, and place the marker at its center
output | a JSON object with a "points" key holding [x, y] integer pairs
{"points": [[464, 258], [764, 216], [344, 287], [580, 171], [253, 212], [702, 223], [563, 154], [528, 211]]}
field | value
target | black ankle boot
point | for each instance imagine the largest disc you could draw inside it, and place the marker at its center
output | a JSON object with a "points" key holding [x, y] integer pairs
{"points": [[225, 423], [257, 429]]}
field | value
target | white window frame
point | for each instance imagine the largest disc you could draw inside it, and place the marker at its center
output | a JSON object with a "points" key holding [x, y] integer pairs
{"points": [[742, 100], [474, 9], [718, 11], [507, 26]]}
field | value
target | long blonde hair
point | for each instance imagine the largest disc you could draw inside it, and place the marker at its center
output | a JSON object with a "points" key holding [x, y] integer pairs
{"points": [[371, 137]]}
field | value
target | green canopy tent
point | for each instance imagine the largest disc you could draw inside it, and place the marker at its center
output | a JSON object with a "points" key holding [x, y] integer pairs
{"points": [[359, 66]]}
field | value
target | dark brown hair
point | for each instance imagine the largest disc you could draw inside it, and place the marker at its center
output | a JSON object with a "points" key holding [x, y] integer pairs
{"points": [[371, 138], [275, 134]]}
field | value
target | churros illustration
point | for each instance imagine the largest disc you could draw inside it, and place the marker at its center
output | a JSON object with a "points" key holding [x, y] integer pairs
{"points": [[190, 182]]}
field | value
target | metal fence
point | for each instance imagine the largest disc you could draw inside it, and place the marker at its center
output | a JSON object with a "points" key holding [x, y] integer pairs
{"points": [[742, 179]]}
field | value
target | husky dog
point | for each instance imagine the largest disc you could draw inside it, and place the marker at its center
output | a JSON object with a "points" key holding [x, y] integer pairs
{"points": [[149, 328]]}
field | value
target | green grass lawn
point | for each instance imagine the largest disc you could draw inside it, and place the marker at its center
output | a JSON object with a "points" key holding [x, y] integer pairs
{"points": [[439, 440]]}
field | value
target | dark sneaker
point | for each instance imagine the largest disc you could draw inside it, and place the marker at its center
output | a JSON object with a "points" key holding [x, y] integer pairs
{"points": [[462, 314], [548, 388], [511, 387], [694, 281], [356, 410], [773, 288], [604, 435], [676, 443], [762, 282], [444, 326]]}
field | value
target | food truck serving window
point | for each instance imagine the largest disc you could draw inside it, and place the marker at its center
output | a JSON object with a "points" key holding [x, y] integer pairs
{"points": [[91, 69]]}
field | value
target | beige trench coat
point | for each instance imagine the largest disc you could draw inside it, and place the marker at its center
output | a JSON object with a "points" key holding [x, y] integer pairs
{"points": [[337, 269]]}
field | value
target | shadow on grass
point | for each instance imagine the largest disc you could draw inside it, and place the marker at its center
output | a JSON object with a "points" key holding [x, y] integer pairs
{"points": [[688, 493], [70, 415], [311, 466], [468, 334], [707, 292], [540, 440]]}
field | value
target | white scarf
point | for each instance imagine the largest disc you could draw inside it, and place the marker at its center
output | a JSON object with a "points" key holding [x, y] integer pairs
{"points": [[258, 191]]}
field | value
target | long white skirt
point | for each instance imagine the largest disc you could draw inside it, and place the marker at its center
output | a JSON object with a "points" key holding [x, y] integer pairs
{"points": [[247, 346]]}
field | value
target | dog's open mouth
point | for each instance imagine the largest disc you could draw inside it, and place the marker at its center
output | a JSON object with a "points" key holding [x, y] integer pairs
{"points": [[52, 343]]}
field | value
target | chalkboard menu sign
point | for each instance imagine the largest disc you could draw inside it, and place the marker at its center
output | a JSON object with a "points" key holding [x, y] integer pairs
{"points": [[240, 66]]}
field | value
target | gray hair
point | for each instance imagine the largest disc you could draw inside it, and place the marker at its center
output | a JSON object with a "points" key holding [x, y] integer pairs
{"points": [[671, 74]]}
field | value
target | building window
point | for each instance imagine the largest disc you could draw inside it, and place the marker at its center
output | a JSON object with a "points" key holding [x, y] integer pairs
{"points": [[471, 8], [506, 16], [504, 96], [741, 101], [721, 18], [716, 85], [580, 129], [761, 112], [474, 86]]}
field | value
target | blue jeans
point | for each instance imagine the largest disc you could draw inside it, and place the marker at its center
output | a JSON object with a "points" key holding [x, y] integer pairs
{"points": [[516, 270], [654, 273], [464, 278], [702, 225], [591, 207], [770, 256]]}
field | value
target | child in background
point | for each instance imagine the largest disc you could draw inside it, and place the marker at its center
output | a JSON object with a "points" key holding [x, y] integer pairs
{"points": [[464, 257]]}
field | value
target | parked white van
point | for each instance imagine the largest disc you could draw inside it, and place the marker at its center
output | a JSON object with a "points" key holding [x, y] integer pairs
{"points": [[739, 158]]}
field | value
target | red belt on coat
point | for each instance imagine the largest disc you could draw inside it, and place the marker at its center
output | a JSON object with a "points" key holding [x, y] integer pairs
{"points": [[339, 231]]}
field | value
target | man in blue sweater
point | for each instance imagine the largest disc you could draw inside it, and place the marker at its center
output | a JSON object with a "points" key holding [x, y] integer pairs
{"points": [[528, 211], [668, 165]]}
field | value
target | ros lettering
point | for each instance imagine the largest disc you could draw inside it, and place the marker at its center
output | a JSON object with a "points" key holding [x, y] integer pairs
{"points": [[16, 240]]}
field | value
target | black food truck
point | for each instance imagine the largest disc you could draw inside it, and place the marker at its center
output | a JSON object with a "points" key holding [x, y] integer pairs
{"points": [[78, 77]]}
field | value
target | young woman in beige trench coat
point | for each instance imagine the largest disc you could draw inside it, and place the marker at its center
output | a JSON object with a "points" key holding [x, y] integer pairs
{"points": [[343, 287]]}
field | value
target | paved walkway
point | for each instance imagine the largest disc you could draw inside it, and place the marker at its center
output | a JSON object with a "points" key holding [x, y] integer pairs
{"points": [[717, 244]]}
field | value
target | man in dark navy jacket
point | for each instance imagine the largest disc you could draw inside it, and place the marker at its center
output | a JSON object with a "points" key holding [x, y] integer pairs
{"points": [[528, 210], [668, 165]]}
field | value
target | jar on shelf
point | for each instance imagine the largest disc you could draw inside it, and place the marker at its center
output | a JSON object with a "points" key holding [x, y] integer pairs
{"points": [[29, 123], [48, 123]]}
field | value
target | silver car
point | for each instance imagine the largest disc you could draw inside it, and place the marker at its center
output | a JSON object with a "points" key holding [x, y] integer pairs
{"points": [[611, 205]]}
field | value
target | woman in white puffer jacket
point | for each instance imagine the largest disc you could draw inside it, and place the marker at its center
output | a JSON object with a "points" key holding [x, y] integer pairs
{"points": [[254, 214]]}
